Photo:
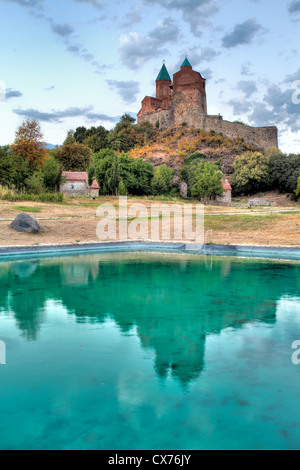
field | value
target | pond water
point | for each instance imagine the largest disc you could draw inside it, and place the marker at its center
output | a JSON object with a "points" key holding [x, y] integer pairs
{"points": [[149, 351]]}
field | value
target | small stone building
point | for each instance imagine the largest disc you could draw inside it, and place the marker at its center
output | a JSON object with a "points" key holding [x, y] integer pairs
{"points": [[77, 184], [227, 192], [94, 189]]}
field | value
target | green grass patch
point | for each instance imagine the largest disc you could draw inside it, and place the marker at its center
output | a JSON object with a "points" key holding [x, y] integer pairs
{"points": [[241, 223], [26, 209]]}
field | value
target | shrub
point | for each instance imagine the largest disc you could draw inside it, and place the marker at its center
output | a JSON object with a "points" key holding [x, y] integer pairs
{"points": [[251, 173], [12, 195], [52, 174], [122, 191], [162, 180], [207, 181], [284, 170], [35, 183]]}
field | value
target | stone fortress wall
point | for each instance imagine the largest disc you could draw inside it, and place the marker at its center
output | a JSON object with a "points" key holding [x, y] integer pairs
{"points": [[186, 103]]}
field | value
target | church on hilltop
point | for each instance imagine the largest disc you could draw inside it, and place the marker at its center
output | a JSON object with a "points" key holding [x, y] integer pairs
{"points": [[183, 100]]}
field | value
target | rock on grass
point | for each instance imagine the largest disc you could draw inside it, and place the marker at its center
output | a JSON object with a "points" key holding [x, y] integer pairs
{"points": [[25, 223]]}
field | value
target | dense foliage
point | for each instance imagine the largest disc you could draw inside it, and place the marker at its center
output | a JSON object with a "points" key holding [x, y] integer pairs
{"points": [[122, 173], [119, 161], [251, 173], [162, 180], [27, 168], [74, 157], [29, 143], [207, 181], [284, 170]]}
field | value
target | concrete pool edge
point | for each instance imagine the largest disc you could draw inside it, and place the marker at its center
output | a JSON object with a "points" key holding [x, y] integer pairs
{"points": [[252, 251]]}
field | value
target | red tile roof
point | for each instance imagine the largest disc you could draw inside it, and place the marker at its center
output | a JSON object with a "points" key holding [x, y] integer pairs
{"points": [[95, 185], [226, 184], [75, 175]]}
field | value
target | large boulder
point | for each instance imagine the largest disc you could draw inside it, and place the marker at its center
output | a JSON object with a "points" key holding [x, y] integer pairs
{"points": [[24, 223]]}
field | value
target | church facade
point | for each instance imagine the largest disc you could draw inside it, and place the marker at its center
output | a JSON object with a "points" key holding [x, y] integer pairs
{"points": [[183, 100]]}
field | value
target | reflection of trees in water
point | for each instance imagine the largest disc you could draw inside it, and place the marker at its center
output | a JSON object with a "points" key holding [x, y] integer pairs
{"points": [[174, 305]]}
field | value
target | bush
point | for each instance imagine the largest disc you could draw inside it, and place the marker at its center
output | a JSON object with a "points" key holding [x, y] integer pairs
{"points": [[251, 173], [284, 170], [162, 180], [122, 191], [207, 181], [134, 172], [11, 195], [35, 183], [51, 174]]}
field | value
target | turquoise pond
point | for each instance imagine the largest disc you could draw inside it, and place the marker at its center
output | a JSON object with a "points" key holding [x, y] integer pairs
{"points": [[149, 351]]}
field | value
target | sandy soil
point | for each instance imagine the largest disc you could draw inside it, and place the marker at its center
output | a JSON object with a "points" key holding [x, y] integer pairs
{"points": [[76, 221]]}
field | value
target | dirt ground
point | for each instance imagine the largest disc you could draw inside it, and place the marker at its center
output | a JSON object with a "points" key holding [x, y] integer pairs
{"points": [[75, 221]]}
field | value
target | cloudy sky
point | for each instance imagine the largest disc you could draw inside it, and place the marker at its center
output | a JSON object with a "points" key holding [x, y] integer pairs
{"points": [[85, 62]]}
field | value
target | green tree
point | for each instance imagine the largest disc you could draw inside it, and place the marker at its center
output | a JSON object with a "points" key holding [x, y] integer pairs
{"points": [[80, 134], [114, 180], [70, 139], [190, 163], [91, 173], [251, 173], [162, 180], [94, 142], [14, 170], [123, 137], [207, 181], [74, 157], [136, 174], [103, 168], [284, 170], [52, 171]]}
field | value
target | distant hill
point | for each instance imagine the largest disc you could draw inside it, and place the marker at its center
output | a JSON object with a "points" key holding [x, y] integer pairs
{"points": [[51, 146], [48, 146]]}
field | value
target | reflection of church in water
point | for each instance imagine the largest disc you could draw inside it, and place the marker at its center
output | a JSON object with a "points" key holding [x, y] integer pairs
{"points": [[173, 322]]}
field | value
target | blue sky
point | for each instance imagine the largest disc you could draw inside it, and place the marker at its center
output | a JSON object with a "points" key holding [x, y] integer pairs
{"points": [[86, 62]]}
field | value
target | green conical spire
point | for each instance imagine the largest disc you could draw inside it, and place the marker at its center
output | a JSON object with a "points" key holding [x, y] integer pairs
{"points": [[163, 74], [186, 63]]}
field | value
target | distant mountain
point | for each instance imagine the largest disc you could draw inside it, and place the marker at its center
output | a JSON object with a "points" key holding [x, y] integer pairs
{"points": [[51, 146], [48, 146]]}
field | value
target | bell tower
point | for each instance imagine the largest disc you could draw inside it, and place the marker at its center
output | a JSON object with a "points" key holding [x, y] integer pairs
{"points": [[163, 90]]}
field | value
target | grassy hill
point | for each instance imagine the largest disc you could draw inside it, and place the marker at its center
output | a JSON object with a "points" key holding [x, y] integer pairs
{"points": [[170, 147]]}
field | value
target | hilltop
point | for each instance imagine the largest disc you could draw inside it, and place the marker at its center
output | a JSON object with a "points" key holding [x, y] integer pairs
{"points": [[170, 147]]}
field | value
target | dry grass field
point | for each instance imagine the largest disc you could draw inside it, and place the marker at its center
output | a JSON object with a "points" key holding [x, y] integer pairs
{"points": [[75, 221]]}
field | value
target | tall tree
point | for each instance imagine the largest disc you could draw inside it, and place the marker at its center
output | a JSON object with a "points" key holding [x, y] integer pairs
{"points": [[70, 139], [29, 143], [74, 157]]}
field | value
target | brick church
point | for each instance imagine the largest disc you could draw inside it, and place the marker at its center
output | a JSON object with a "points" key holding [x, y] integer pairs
{"points": [[186, 81], [183, 100]]}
